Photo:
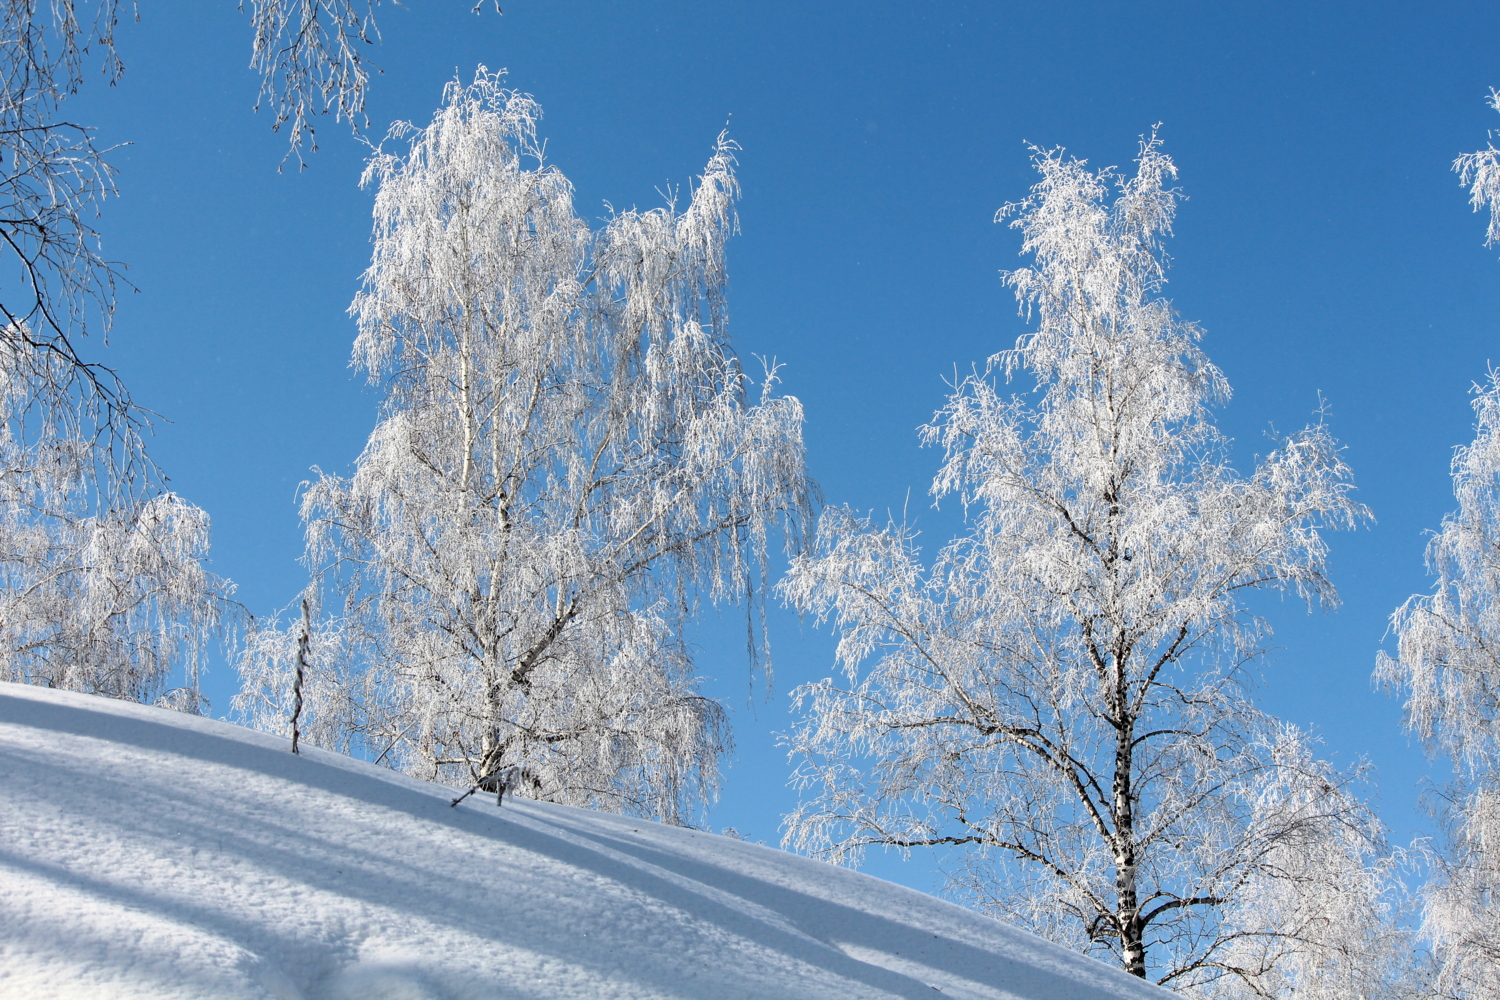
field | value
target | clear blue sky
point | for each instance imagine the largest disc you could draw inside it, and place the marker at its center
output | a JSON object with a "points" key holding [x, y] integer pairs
{"points": [[1324, 246]]}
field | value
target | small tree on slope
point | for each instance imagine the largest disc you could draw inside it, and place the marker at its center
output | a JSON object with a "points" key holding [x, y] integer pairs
{"points": [[567, 463], [1448, 663], [1059, 696]]}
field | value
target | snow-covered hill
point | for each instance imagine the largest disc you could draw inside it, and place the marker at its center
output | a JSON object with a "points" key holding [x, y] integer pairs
{"points": [[145, 853]]}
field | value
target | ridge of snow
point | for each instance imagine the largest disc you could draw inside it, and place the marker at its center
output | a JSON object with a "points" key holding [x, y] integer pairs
{"points": [[147, 853]]}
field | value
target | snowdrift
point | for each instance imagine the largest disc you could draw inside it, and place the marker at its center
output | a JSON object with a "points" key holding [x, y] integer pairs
{"points": [[145, 853]]}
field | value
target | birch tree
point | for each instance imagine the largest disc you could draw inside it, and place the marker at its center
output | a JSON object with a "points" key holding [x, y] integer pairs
{"points": [[56, 284], [1447, 665], [1060, 696], [569, 462], [103, 586], [102, 592]]}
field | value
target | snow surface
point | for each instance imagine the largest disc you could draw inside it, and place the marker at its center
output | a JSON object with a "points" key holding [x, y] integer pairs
{"points": [[147, 853]]}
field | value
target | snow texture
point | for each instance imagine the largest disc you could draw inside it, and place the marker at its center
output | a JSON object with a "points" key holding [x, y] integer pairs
{"points": [[149, 853]]}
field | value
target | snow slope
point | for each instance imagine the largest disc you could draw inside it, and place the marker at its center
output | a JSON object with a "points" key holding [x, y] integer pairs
{"points": [[146, 853]]}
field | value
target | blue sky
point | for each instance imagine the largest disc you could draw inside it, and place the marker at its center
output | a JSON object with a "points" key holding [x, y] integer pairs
{"points": [[1324, 246]]}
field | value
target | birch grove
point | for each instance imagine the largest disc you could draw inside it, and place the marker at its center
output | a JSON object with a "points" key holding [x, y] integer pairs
{"points": [[1059, 698], [569, 463]]}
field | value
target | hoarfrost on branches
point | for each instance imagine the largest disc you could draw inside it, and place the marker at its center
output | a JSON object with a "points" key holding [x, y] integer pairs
{"points": [[333, 714], [1480, 173], [1058, 697], [569, 461], [98, 593], [1447, 665], [101, 568], [54, 179], [311, 58]]}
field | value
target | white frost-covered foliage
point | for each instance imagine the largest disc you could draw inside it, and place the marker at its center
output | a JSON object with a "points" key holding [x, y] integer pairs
{"points": [[334, 694], [1448, 663], [101, 592], [56, 284], [568, 462], [1480, 173], [1321, 913], [1057, 697]]}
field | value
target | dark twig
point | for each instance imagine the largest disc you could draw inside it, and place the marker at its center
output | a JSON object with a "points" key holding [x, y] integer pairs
{"points": [[498, 781], [303, 641]]}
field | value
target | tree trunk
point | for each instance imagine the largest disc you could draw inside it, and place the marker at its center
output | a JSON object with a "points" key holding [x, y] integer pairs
{"points": [[1127, 904]]}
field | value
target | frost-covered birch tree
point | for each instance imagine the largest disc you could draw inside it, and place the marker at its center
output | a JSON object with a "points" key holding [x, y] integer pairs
{"points": [[102, 580], [1448, 664], [56, 284], [569, 461], [101, 591], [1059, 696]]}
